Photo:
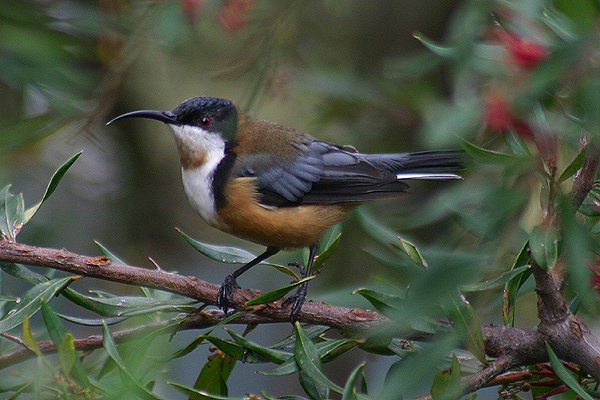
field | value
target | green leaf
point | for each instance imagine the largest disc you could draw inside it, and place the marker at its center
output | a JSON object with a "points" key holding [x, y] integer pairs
{"points": [[21, 272], [516, 143], [111, 256], [573, 167], [350, 386], [514, 284], [28, 338], [214, 374], [127, 306], [543, 243], [11, 213], [577, 246], [32, 300], [307, 357], [54, 181], [413, 253], [233, 349], [111, 349], [223, 254], [381, 301], [201, 394], [465, 321], [495, 282], [564, 374], [447, 384], [200, 339], [276, 356], [486, 156], [442, 51], [321, 258], [276, 294], [67, 355], [331, 349]]}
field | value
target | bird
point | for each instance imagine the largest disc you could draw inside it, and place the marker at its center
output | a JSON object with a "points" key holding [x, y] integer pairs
{"points": [[278, 186]]}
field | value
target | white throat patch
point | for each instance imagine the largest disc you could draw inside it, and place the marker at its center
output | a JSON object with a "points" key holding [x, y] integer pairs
{"points": [[198, 181]]}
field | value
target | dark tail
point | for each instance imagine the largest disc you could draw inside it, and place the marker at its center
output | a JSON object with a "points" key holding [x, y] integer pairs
{"points": [[420, 165]]}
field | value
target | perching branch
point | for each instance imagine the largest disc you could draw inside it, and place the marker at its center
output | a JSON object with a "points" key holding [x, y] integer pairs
{"points": [[101, 267]]}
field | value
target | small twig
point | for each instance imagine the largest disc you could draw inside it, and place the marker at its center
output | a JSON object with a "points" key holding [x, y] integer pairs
{"points": [[585, 177]]}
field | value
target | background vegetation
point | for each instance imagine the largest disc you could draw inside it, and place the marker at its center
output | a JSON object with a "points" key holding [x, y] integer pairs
{"points": [[457, 271]]}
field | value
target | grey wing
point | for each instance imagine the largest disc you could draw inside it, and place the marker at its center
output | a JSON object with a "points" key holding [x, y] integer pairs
{"points": [[320, 173]]}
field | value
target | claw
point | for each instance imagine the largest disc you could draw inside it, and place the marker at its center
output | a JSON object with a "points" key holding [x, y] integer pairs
{"points": [[298, 301], [225, 296]]}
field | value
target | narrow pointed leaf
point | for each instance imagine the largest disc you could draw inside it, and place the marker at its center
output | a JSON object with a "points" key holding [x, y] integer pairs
{"points": [[111, 348], [12, 209], [67, 355], [307, 357], [447, 384], [224, 254], [200, 394], [413, 253], [28, 338], [214, 374], [442, 51], [350, 386], [54, 181], [465, 321], [111, 256], [514, 284], [573, 167], [543, 243], [381, 301], [486, 156], [494, 282], [200, 339], [21, 272], [276, 356], [276, 294], [31, 302], [321, 258], [564, 374]]}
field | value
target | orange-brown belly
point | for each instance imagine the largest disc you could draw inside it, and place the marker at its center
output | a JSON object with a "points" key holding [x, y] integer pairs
{"points": [[285, 227]]}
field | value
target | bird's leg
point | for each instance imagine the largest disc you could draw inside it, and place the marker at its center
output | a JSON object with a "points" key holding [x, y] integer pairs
{"points": [[300, 295], [225, 296]]}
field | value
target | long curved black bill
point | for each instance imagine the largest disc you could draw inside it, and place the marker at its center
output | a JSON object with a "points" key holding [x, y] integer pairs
{"points": [[164, 116]]}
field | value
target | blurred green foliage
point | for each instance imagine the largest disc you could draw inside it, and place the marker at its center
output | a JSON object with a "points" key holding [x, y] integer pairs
{"points": [[516, 84]]}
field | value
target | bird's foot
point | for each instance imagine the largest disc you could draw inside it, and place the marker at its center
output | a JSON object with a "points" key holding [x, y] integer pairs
{"points": [[297, 300], [225, 296], [299, 266]]}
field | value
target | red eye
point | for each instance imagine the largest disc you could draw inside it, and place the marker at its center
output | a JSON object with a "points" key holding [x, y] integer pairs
{"points": [[204, 121]]}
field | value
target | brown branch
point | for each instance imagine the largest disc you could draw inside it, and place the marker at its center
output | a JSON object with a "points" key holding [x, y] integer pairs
{"points": [[340, 318]]}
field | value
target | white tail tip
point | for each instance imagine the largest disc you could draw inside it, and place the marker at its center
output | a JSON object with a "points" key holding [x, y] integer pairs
{"points": [[427, 175]]}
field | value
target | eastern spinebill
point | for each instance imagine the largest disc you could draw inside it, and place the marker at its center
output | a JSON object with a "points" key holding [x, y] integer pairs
{"points": [[278, 186]]}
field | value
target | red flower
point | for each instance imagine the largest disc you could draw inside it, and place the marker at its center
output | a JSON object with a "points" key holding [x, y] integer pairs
{"points": [[234, 16], [191, 8], [523, 52], [499, 116]]}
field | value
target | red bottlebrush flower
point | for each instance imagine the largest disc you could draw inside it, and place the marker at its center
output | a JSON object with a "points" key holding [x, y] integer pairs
{"points": [[523, 52], [499, 116], [191, 8], [596, 280], [234, 16], [498, 113], [527, 54]]}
